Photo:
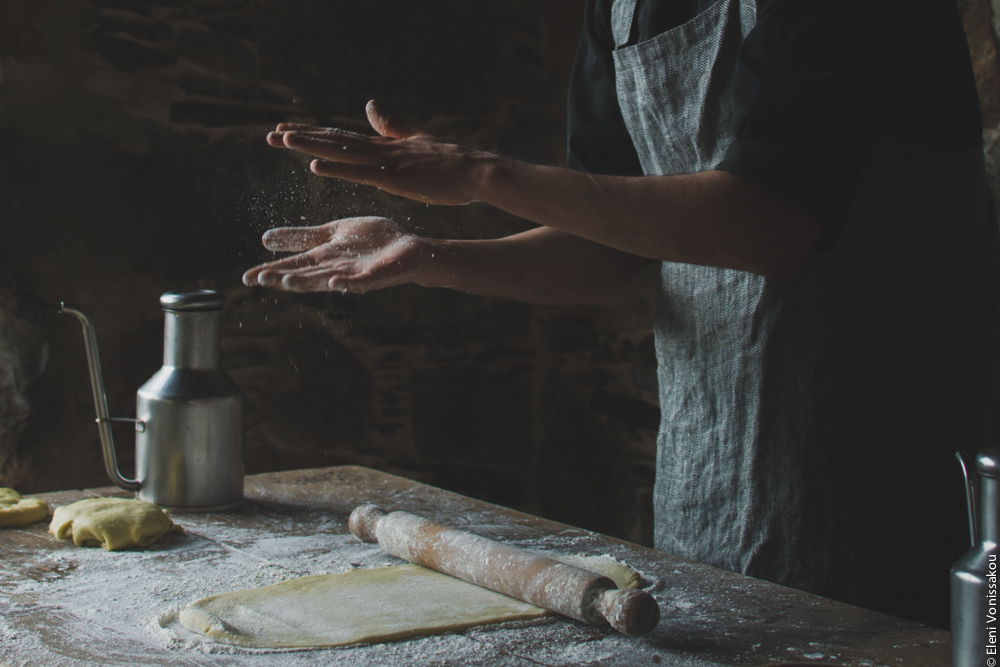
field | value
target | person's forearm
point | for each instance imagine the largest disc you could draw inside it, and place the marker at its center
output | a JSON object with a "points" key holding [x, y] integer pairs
{"points": [[712, 218], [541, 266]]}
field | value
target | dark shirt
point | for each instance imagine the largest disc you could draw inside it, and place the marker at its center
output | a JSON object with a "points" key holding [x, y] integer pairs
{"points": [[817, 82]]}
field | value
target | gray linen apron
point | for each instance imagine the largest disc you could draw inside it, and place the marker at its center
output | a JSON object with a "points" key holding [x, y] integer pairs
{"points": [[808, 425]]}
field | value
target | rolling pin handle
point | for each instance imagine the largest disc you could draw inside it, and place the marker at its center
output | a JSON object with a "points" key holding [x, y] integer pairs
{"points": [[629, 611], [363, 522]]}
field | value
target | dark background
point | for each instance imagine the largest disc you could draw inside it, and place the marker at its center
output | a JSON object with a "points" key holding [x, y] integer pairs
{"points": [[133, 162]]}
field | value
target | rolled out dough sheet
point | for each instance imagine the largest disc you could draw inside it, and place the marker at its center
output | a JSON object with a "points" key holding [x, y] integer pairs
{"points": [[355, 607], [363, 607]]}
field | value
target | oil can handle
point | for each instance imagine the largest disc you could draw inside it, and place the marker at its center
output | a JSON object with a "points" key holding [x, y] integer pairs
{"points": [[971, 493], [100, 400]]}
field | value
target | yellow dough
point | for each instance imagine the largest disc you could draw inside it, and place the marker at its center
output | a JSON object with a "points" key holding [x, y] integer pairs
{"points": [[112, 523], [354, 607], [622, 575], [18, 511], [358, 607]]}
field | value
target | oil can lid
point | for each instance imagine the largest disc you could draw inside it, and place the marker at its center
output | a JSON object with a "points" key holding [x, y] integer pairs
{"points": [[192, 301], [988, 462]]}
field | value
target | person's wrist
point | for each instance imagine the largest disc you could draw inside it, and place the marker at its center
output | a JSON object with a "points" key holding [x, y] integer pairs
{"points": [[483, 176], [434, 260]]}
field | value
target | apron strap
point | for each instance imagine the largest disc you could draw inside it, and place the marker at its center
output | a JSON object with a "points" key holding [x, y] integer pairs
{"points": [[621, 21]]}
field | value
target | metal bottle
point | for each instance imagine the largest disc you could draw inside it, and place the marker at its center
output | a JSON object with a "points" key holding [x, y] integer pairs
{"points": [[189, 415], [975, 604]]}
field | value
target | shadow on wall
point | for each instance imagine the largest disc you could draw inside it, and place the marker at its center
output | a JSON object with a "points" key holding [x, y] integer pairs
{"points": [[132, 163]]}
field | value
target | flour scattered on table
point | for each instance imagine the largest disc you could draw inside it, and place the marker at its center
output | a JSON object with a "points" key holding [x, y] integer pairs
{"points": [[131, 590]]}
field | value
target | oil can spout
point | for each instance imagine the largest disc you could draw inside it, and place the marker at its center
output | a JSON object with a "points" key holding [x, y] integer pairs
{"points": [[100, 399], [971, 493]]}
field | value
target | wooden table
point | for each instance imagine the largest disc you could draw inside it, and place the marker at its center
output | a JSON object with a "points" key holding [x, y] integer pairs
{"points": [[64, 605]]}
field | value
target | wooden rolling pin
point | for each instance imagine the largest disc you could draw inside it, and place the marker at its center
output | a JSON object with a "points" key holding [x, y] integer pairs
{"points": [[540, 581]]}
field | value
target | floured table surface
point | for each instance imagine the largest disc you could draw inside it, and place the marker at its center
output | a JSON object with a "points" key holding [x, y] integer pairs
{"points": [[66, 605]]}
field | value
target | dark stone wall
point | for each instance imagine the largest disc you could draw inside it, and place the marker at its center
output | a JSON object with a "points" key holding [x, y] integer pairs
{"points": [[132, 162]]}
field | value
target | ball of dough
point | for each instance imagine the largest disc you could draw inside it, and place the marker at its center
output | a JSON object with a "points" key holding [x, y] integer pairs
{"points": [[18, 511], [112, 523]]}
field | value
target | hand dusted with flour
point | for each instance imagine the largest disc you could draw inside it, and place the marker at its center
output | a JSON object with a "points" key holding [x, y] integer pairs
{"points": [[350, 255], [400, 160]]}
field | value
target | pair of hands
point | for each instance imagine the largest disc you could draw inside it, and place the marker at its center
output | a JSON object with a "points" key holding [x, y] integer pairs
{"points": [[361, 254]]}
